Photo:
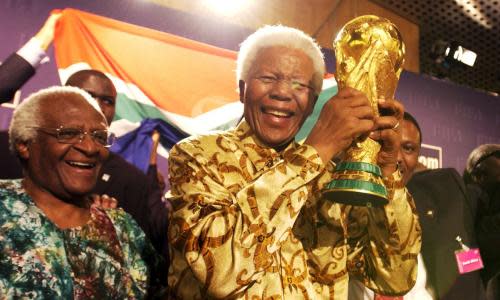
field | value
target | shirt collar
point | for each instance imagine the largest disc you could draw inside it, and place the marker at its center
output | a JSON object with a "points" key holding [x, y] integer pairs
{"points": [[260, 155]]}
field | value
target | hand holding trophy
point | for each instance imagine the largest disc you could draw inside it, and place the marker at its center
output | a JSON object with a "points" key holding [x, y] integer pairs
{"points": [[370, 55]]}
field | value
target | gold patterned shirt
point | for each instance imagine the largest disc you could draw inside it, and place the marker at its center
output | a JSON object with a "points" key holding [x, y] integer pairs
{"points": [[249, 223]]}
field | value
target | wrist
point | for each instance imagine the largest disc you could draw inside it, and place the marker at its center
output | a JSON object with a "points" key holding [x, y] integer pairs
{"points": [[389, 169]]}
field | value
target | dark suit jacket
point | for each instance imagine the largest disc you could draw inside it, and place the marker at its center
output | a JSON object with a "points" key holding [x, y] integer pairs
{"points": [[445, 212], [14, 72], [134, 192], [488, 236]]}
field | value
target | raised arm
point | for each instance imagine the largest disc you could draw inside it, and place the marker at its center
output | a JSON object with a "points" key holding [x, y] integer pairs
{"points": [[19, 67]]}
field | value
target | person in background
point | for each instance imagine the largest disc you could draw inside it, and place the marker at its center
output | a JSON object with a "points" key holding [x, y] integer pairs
{"points": [[19, 67], [119, 180], [248, 218], [483, 168], [153, 174], [16, 70], [159, 219], [54, 244], [445, 211]]}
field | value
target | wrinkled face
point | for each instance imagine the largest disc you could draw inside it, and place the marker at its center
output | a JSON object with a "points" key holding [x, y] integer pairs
{"points": [[103, 91], [66, 170], [277, 96], [410, 149]]}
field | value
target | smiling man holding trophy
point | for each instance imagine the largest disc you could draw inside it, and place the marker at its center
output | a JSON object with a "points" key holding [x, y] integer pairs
{"points": [[250, 217]]}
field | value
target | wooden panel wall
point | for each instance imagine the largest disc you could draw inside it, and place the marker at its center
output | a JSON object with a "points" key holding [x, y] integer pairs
{"points": [[319, 18]]}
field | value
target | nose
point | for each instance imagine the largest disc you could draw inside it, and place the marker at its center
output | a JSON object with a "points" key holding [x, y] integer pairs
{"points": [[87, 145], [400, 157], [282, 90]]}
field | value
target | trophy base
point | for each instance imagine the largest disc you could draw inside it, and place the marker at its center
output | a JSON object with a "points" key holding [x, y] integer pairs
{"points": [[356, 198], [357, 183]]}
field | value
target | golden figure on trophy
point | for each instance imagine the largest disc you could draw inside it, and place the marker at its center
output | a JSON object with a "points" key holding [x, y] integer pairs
{"points": [[370, 53]]}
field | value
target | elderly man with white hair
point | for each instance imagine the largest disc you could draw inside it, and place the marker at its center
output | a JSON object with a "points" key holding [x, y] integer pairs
{"points": [[248, 218], [54, 244]]}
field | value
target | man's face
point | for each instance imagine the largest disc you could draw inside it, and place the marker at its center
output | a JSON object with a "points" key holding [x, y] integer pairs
{"points": [[66, 170], [488, 171], [103, 91], [276, 97], [410, 149]]}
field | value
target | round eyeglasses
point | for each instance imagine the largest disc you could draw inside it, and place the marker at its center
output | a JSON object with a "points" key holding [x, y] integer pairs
{"points": [[68, 135]]}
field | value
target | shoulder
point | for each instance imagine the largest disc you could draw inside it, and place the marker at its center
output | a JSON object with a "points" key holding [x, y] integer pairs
{"points": [[125, 226], [439, 178], [11, 186], [13, 200], [207, 144]]}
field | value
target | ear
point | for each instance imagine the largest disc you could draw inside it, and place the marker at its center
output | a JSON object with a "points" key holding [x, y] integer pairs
{"points": [[23, 150], [241, 86]]}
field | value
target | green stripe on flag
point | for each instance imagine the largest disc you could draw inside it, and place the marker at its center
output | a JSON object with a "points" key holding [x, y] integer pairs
{"points": [[130, 109]]}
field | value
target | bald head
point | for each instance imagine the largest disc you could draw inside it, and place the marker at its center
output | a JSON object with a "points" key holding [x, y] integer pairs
{"points": [[99, 86]]}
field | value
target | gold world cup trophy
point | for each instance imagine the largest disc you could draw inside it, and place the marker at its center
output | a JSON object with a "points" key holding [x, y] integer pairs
{"points": [[370, 53]]}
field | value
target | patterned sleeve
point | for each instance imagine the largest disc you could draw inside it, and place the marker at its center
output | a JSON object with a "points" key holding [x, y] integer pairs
{"points": [[141, 260], [383, 243], [227, 235]]}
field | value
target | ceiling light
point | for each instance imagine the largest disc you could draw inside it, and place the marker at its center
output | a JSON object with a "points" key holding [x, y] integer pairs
{"points": [[450, 53], [472, 9], [466, 56], [226, 7]]}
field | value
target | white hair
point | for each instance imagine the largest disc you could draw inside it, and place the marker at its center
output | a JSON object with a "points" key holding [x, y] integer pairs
{"points": [[27, 115], [278, 35]]}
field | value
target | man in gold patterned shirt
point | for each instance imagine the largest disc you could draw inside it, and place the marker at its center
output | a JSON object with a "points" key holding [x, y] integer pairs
{"points": [[248, 218]]}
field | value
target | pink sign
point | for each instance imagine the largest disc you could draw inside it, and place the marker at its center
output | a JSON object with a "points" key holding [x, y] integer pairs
{"points": [[469, 260]]}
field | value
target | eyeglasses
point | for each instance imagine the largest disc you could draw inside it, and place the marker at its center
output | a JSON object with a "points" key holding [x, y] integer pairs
{"points": [[76, 135], [294, 84]]}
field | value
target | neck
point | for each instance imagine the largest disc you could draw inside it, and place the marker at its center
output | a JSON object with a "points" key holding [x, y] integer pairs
{"points": [[62, 213]]}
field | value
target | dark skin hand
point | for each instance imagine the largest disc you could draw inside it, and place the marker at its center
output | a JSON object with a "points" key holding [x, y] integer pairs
{"points": [[387, 136], [103, 201], [347, 116]]}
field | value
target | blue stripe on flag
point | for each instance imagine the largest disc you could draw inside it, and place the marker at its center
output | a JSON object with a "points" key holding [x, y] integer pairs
{"points": [[136, 145]]}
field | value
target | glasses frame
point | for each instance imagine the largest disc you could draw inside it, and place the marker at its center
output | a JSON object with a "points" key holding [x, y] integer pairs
{"points": [[56, 132]]}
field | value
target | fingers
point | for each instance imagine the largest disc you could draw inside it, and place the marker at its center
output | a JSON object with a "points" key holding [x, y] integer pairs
{"points": [[46, 34], [344, 117], [155, 136], [391, 108], [104, 201], [387, 131], [388, 122], [353, 97], [95, 200]]}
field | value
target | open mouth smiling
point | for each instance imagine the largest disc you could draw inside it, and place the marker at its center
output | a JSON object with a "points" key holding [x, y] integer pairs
{"points": [[81, 165], [277, 113]]}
